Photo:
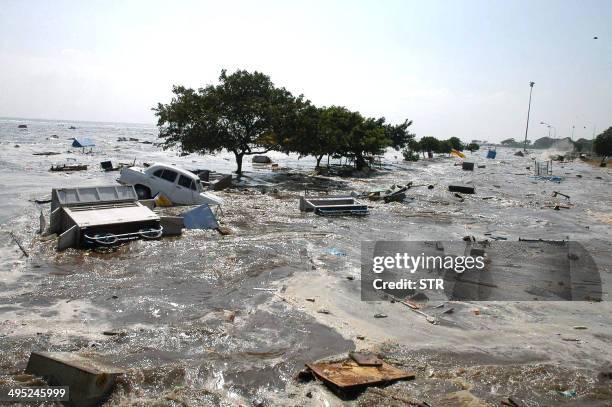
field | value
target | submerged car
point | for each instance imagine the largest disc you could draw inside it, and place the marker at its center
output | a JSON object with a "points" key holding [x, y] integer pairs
{"points": [[180, 186]]}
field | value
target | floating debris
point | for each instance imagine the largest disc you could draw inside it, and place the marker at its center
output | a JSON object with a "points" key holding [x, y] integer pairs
{"points": [[349, 374]]}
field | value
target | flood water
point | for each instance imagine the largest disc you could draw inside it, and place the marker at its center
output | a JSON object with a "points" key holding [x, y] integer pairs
{"points": [[206, 319]]}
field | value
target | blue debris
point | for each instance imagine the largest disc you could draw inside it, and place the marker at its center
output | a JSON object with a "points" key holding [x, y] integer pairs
{"points": [[83, 142], [335, 252], [491, 154], [552, 178], [568, 393], [201, 217]]}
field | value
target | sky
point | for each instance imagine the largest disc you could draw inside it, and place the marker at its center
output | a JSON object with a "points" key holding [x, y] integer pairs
{"points": [[456, 68]]}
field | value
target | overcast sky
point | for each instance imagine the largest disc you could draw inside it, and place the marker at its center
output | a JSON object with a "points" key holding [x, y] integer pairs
{"points": [[457, 68]]}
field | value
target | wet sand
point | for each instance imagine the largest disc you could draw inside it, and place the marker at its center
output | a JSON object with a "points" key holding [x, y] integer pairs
{"points": [[206, 319]]}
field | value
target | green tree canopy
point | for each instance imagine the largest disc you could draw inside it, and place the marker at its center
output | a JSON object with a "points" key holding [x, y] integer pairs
{"points": [[245, 114], [473, 147], [455, 143], [335, 130], [444, 147], [582, 145], [603, 143], [429, 144], [399, 135]]}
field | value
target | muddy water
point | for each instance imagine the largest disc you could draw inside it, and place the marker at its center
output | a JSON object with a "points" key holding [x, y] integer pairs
{"points": [[207, 319]]}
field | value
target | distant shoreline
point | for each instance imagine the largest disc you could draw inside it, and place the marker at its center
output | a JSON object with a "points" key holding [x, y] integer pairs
{"points": [[72, 121]]}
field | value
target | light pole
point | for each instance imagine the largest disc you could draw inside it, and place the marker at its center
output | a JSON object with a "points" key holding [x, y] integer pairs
{"points": [[528, 111], [572, 136], [550, 126]]}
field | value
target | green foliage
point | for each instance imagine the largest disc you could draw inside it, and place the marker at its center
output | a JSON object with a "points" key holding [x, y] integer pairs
{"points": [[308, 137], [603, 143], [429, 144], [337, 131], [444, 147], [583, 145], [247, 114], [399, 135], [244, 112], [410, 155], [473, 147], [455, 143]]}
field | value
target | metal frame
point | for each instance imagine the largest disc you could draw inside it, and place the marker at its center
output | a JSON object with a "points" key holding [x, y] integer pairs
{"points": [[122, 237]]}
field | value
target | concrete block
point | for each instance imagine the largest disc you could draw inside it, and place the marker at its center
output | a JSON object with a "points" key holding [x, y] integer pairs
{"points": [[90, 383], [464, 189], [173, 225], [467, 166]]}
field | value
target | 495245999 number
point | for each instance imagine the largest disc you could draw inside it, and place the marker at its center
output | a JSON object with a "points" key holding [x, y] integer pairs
{"points": [[50, 393]]}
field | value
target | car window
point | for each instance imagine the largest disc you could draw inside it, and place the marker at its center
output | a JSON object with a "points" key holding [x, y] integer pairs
{"points": [[169, 175], [186, 182], [158, 173]]}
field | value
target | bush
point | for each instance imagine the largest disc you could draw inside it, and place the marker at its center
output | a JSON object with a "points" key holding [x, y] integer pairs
{"points": [[410, 155], [603, 143], [473, 147]]}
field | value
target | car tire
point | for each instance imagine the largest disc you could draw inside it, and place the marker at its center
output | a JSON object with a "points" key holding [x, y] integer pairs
{"points": [[142, 192]]}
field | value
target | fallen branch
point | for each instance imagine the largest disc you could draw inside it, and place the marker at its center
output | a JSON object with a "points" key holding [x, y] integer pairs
{"points": [[19, 244]]}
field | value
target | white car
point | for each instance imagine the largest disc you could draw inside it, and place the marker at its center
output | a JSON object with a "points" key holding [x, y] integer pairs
{"points": [[180, 186]]}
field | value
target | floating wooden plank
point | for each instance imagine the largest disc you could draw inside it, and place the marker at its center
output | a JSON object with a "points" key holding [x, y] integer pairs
{"points": [[349, 374]]}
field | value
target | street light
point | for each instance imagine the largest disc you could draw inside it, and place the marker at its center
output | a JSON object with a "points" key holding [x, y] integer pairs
{"points": [[549, 127], [528, 111]]}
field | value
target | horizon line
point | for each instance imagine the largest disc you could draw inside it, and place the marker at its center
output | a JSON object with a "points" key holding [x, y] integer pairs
{"points": [[72, 120]]}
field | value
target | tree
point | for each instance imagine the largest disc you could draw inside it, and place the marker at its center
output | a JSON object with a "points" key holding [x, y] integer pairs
{"points": [[245, 114], [444, 147], [399, 135], [473, 147], [367, 137], [455, 143], [429, 144], [410, 155], [582, 145], [510, 142], [308, 136], [603, 143]]}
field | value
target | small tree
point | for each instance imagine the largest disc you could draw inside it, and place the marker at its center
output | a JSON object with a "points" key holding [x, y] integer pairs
{"points": [[603, 143], [473, 147], [308, 136], [583, 144], [444, 147], [245, 114], [429, 145], [367, 138], [410, 155], [455, 143], [399, 135]]}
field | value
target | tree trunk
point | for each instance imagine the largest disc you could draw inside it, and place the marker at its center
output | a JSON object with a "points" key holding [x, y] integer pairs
{"points": [[319, 161], [239, 157], [359, 162]]}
